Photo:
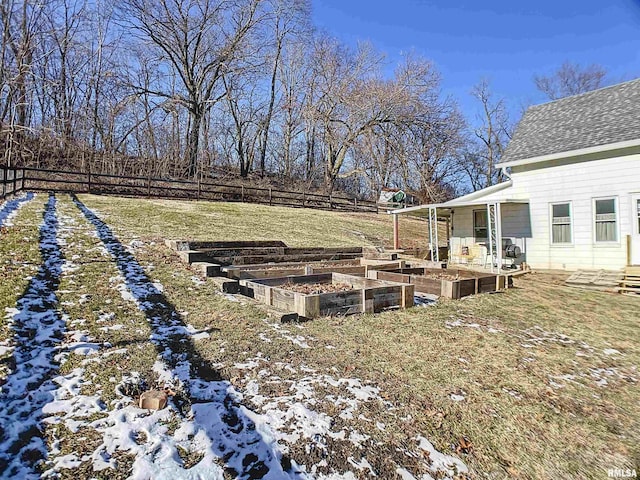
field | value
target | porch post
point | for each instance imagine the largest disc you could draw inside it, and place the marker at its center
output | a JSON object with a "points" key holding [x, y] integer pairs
{"points": [[498, 236], [490, 233], [433, 234], [396, 233]]}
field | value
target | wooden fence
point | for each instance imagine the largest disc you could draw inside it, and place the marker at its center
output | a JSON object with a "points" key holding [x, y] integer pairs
{"points": [[15, 180], [12, 180]]}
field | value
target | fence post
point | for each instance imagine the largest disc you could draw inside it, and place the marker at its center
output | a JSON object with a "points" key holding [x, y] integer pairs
{"points": [[330, 202], [304, 198], [23, 174], [270, 196], [15, 180], [149, 184], [198, 197], [355, 203], [89, 181], [4, 181], [242, 193]]}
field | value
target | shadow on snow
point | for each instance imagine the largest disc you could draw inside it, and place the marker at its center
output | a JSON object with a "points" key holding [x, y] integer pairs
{"points": [[38, 329], [12, 205], [246, 453]]}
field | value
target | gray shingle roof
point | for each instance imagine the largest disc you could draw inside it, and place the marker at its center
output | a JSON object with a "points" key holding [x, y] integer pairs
{"points": [[607, 115]]}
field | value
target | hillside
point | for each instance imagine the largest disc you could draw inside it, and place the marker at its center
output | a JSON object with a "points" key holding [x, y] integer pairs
{"points": [[241, 221]]}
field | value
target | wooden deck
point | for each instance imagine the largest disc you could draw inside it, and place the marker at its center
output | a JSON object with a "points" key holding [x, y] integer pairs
{"points": [[630, 284], [626, 281]]}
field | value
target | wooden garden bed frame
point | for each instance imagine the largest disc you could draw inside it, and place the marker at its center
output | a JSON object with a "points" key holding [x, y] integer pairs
{"points": [[367, 295], [251, 256], [468, 283], [358, 267], [349, 267]]}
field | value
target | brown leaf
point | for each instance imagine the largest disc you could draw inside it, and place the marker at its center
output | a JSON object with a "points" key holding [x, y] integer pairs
{"points": [[464, 445]]}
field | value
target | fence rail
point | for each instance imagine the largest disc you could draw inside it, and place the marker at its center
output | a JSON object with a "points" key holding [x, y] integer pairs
{"points": [[15, 180], [12, 180]]}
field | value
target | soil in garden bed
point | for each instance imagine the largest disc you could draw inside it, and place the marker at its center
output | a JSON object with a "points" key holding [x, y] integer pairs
{"points": [[316, 288], [440, 276]]}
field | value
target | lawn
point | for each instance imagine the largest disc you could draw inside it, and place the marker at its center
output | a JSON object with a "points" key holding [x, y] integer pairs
{"points": [[540, 381]]}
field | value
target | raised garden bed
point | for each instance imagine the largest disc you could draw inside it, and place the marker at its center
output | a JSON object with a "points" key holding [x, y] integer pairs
{"points": [[362, 295], [253, 252], [252, 256], [184, 245], [444, 283], [358, 267]]}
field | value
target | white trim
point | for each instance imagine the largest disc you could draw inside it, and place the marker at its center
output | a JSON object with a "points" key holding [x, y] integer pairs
{"points": [[635, 213], [482, 192], [605, 243], [471, 199], [486, 225], [553, 244], [571, 153]]}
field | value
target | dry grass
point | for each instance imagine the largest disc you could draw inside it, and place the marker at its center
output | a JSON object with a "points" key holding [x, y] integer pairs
{"points": [[232, 221], [19, 259], [529, 363], [532, 404], [524, 413]]}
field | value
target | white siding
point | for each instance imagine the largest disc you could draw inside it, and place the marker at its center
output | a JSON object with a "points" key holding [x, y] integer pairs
{"points": [[569, 181], [516, 226]]}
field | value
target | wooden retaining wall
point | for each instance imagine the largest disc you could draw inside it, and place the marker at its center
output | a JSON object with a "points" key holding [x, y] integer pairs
{"points": [[367, 296], [468, 283]]}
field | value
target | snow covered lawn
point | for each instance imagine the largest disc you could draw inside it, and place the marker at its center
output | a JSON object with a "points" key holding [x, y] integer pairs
{"points": [[491, 386], [95, 327]]}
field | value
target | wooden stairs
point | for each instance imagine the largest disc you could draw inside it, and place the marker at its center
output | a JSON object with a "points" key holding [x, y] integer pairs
{"points": [[603, 280], [630, 284]]}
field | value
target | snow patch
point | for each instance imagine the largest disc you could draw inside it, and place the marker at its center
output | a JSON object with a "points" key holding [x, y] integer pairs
{"points": [[38, 328], [10, 208]]}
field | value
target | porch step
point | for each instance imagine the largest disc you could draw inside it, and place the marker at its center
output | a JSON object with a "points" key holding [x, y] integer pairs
{"points": [[607, 280], [630, 284]]}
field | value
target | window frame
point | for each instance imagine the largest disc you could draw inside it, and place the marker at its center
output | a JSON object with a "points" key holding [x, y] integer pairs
{"points": [[486, 227], [594, 221], [635, 212], [561, 244]]}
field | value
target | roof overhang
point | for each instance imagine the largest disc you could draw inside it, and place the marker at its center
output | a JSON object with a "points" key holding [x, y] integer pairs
{"points": [[571, 153], [445, 209], [469, 200]]}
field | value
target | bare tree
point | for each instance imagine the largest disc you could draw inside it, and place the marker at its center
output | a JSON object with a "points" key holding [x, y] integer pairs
{"points": [[571, 79], [198, 39], [354, 99], [492, 133]]}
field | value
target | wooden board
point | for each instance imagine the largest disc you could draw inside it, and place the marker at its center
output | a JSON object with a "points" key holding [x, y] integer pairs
{"points": [[207, 269], [302, 250], [382, 264], [467, 284], [366, 295], [246, 260], [182, 245], [604, 280], [258, 266]]}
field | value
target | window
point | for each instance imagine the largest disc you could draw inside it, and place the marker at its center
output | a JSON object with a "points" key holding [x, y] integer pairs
{"points": [[561, 223], [480, 224], [606, 220], [638, 214]]}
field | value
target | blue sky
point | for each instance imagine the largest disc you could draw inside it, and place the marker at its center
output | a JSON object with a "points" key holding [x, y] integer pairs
{"points": [[505, 41]]}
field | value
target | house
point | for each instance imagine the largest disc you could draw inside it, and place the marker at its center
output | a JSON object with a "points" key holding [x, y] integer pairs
{"points": [[572, 198]]}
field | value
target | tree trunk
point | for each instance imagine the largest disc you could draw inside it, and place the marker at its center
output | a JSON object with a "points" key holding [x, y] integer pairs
{"points": [[194, 140]]}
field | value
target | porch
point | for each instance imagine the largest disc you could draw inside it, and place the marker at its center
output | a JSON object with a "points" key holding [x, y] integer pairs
{"points": [[477, 236]]}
